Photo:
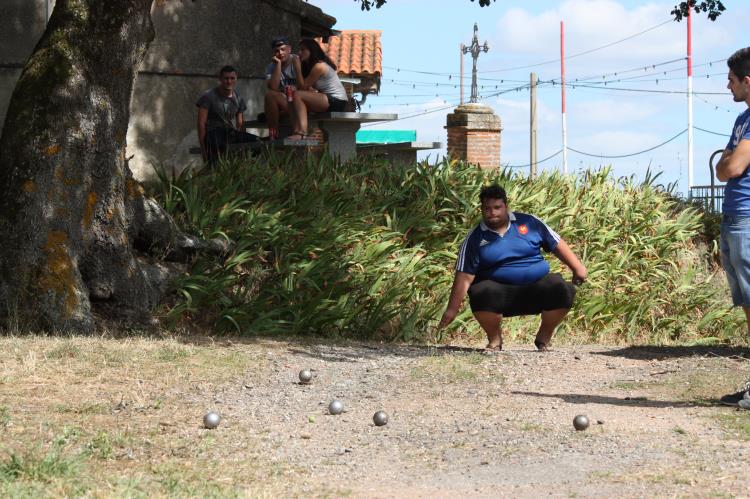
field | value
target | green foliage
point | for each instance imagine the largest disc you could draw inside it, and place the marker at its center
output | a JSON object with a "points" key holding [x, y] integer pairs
{"points": [[712, 8], [367, 250]]}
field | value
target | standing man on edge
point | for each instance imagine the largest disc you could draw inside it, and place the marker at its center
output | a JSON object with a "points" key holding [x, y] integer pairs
{"points": [[280, 74], [220, 118], [735, 221], [501, 267]]}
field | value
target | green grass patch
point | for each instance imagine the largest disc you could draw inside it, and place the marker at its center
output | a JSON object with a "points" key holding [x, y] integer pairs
{"points": [[736, 423], [449, 368]]}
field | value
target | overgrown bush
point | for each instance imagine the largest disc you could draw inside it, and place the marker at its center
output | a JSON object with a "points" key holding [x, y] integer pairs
{"points": [[367, 250]]}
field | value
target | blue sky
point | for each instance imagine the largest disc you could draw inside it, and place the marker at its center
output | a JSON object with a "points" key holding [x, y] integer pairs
{"points": [[632, 41]]}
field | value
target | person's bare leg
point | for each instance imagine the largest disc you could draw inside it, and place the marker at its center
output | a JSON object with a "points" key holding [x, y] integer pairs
{"points": [[300, 115], [550, 320], [275, 104], [491, 322], [306, 101], [747, 317]]}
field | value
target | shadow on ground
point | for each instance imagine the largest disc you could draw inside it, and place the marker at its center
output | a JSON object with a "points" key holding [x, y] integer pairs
{"points": [[576, 398], [668, 352]]}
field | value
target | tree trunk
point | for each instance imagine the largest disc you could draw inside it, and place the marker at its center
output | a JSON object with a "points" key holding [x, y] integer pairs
{"points": [[70, 210]]}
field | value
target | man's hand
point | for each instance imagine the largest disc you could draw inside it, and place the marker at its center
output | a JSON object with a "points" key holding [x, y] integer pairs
{"points": [[579, 275], [448, 316]]}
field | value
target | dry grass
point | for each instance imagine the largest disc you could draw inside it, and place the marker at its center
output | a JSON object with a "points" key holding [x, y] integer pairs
{"points": [[448, 368], [119, 417]]}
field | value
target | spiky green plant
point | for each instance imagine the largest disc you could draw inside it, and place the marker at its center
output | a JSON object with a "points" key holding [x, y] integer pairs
{"points": [[367, 249]]}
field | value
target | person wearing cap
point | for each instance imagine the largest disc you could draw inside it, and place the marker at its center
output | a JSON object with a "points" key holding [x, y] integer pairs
{"points": [[280, 74], [220, 118], [501, 267]]}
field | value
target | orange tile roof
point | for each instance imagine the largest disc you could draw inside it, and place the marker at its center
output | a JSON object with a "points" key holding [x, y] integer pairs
{"points": [[356, 53]]}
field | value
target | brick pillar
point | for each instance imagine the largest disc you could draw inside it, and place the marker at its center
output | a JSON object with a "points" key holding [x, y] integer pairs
{"points": [[474, 135]]}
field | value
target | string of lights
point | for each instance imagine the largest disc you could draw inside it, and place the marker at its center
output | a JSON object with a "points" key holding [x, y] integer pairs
{"points": [[617, 156]]}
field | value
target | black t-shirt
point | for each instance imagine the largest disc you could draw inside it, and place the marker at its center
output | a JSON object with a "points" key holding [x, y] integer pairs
{"points": [[222, 111]]}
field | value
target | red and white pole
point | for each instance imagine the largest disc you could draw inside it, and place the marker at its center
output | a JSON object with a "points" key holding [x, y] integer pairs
{"points": [[562, 80], [690, 96]]}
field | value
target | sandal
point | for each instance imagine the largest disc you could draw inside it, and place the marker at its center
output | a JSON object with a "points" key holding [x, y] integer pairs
{"points": [[488, 350], [301, 136]]}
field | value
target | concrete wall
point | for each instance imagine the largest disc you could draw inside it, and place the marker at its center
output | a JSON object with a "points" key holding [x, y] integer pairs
{"points": [[194, 38], [22, 23]]}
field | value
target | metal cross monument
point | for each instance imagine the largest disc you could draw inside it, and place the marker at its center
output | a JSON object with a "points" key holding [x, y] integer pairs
{"points": [[475, 50]]}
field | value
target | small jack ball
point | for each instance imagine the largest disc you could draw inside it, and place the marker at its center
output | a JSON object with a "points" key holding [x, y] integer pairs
{"points": [[580, 422], [336, 407], [211, 420], [305, 376], [380, 418]]}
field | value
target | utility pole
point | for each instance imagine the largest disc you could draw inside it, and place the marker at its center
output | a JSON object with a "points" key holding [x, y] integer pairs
{"points": [[564, 120], [475, 50], [461, 77], [532, 137], [690, 98]]}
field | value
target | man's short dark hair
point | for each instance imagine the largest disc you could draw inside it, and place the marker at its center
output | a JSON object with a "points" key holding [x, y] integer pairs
{"points": [[227, 69], [739, 63], [493, 191]]}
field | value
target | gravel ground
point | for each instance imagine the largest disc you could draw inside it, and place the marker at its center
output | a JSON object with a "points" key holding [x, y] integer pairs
{"points": [[462, 423]]}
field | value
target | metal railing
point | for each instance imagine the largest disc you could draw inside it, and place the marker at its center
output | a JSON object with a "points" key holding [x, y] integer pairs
{"points": [[709, 196]]}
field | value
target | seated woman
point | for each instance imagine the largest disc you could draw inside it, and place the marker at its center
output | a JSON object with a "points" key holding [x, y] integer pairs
{"points": [[321, 88]]}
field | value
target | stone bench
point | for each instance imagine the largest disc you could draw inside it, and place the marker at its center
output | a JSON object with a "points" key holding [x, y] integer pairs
{"points": [[397, 152], [340, 129], [263, 145]]}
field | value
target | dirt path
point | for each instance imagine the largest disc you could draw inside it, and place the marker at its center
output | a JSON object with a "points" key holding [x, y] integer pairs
{"points": [[471, 425], [122, 417]]}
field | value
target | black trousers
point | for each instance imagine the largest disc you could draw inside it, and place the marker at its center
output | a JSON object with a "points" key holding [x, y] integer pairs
{"points": [[217, 140], [548, 293]]}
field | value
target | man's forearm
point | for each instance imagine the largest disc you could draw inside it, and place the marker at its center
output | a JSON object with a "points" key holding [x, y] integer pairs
{"points": [[566, 255], [724, 168], [275, 81], [461, 284]]}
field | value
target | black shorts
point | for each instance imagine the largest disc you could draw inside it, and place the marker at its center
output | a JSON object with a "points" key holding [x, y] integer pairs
{"points": [[336, 105], [548, 293]]}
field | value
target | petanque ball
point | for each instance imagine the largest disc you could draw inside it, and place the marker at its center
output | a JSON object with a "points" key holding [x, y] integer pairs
{"points": [[336, 407], [580, 422], [380, 418], [305, 376], [211, 420]]}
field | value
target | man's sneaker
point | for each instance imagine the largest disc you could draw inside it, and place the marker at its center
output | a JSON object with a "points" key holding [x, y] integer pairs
{"points": [[734, 398], [744, 403]]}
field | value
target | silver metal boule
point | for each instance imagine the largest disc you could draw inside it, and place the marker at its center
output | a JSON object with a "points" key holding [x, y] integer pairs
{"points": [[380, 418], [211, 420], [336, 407], [305, 376], [580, 422]]}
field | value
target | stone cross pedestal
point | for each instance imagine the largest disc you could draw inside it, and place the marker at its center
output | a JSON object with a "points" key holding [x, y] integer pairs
{"points": [[474, 135]]}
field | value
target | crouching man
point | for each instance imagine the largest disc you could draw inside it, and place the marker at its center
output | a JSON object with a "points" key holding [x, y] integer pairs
{"points": [[501, 267]]}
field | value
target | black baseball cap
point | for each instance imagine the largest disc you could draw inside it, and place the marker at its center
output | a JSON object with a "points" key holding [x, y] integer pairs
{"points": [[279, 40]]}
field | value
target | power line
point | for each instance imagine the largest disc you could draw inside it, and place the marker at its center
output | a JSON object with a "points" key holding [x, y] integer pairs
{"points": [[580, 53], [645, 90], [539, 161], [711, 132], [631, 154]]}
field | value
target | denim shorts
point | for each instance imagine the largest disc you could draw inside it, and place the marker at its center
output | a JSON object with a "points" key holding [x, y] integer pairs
{"points": [[735, 256]]}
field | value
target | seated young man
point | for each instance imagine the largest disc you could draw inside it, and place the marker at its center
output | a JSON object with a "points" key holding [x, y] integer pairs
{"points": [[280, 74], [501, 267], [220, 118]]}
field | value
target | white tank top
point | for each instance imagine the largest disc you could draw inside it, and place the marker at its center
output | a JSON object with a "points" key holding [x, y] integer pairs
{"points": [[329, 84]]}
